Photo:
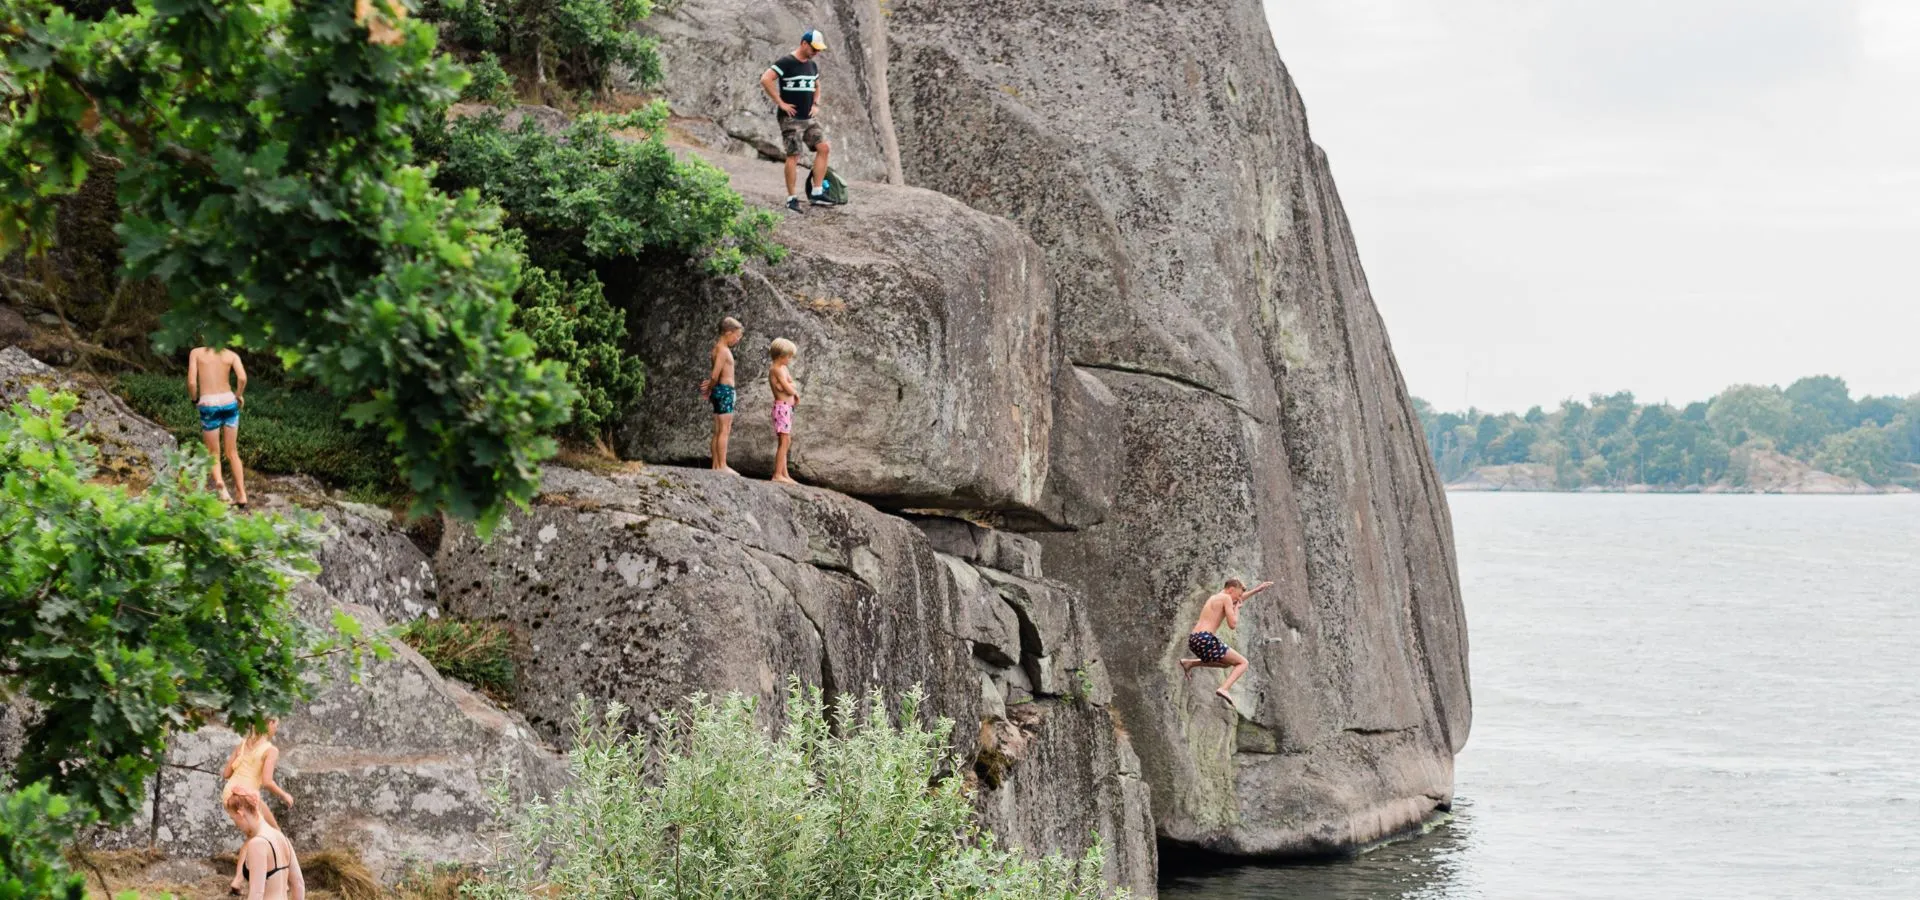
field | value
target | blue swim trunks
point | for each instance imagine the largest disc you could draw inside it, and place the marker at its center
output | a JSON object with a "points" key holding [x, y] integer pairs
{"points": [[214, 418], [722, 397]]}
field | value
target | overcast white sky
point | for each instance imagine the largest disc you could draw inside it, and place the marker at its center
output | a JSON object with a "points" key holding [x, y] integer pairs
{"points": [[1561, 197]]}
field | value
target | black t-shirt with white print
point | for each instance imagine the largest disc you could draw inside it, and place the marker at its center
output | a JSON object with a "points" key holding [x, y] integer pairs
{"points": [[797, 84]]}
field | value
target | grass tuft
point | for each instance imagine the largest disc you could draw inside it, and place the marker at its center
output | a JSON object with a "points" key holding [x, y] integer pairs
{"points": [[341, 872], [479, 653]]}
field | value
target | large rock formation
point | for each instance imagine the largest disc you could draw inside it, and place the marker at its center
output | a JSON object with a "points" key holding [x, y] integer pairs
{"points": [[1207, 289], [928, 370], [1206, 273], [650, 586]]}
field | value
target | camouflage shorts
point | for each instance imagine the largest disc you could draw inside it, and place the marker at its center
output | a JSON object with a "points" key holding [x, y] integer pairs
{"points": [[797, 135]]}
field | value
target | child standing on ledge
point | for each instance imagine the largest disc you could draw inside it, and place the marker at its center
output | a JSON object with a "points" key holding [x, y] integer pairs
{"points": [[785, 397], [1208, 650], [718, 389]]}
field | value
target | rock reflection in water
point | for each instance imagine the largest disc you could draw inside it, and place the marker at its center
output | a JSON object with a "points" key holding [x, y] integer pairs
{"points": [[1426, 867]]}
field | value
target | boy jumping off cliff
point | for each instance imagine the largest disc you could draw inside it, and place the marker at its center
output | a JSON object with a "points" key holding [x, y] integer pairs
{"points": [[793, 82], [219, 402], [718, 389], [1208, 650]]}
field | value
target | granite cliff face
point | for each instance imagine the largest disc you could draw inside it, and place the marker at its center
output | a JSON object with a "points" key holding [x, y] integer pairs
{"points": [[649, 586], [1205, 281]]}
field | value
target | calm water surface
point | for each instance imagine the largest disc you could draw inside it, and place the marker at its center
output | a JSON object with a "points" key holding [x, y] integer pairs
{"points": [[1674, 696]]}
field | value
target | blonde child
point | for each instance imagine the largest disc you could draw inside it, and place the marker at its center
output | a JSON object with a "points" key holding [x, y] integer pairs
{"points": [[785, 397], [217, 381], [718, 389], [1208, 650], [249, 770]]}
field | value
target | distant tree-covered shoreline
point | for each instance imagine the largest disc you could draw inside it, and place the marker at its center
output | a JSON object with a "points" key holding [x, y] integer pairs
{"points": [[1612, 441]]}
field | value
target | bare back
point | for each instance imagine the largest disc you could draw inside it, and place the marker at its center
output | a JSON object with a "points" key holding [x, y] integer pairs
{"points": [[1214, 611], [211, 371], [286, 880]]}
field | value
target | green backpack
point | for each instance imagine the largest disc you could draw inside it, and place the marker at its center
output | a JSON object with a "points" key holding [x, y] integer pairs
{"points": [[833, 188]]}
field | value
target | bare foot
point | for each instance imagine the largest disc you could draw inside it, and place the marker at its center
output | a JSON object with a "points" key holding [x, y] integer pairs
{"points": [[1223, 695], [730, 471], [1186, 668], [225, 497], [782, 479]]}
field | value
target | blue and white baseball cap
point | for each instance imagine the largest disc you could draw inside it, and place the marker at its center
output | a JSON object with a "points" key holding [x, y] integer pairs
{"points": [[813, 38]]}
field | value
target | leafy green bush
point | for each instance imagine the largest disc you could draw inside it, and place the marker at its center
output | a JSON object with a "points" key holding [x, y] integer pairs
{"points": [[588, 196], [1865, 453], [574, 324], [479, 653], [35, 824], [279, 204], [287, 428], [577, 42], [732, 811], [490, 82]]}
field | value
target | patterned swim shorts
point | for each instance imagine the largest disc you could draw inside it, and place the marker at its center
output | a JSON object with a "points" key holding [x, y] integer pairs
{"points": [[782, 418], [722, 397], [214, 418], [1206, 646]]}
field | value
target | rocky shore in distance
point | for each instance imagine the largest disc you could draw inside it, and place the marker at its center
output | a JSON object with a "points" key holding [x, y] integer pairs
{"points": [[1767, 472]]}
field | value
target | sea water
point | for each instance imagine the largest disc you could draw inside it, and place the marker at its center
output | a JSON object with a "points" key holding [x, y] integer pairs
{"points": [[1673, 697]]}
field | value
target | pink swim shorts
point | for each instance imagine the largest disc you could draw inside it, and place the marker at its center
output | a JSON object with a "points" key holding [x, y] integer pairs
{"points": [[782, 418]]}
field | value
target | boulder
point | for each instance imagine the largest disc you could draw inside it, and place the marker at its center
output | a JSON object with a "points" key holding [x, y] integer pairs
{"points": [[131, 447], [365, 556], [1205, 275], [927, 369], [399, 789], [649, 586]]}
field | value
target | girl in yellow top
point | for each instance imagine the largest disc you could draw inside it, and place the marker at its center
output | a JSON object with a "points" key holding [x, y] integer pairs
{"points": [[249, 769]]}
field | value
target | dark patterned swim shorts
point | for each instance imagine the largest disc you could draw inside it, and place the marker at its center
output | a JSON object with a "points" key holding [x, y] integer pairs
{"points": [[722, 397], [1206, 646]]}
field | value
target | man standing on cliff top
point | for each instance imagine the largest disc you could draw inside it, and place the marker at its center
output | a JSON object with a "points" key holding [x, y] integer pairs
{"points": [[793, 82]]}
